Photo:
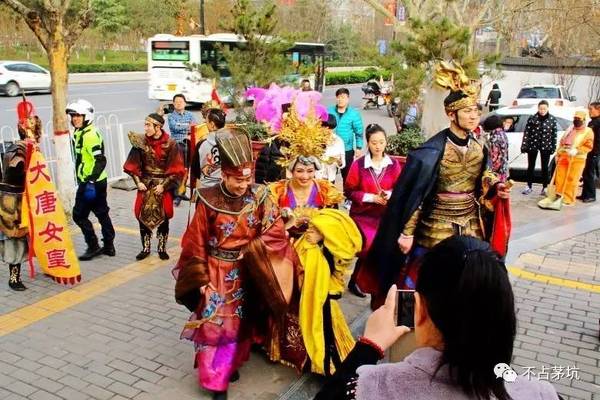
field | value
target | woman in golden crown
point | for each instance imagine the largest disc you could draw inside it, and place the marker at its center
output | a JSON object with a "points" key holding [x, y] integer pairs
{"points": [[326, 239], [445, 189]]}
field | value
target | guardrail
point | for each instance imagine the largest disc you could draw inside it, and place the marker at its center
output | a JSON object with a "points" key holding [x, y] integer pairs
{"points": [[116, 146]]}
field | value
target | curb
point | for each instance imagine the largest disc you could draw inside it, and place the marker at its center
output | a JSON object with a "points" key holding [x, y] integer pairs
{"points": [[107, 77]]}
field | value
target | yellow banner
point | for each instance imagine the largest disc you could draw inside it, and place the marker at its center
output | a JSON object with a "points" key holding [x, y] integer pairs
{"points": [[49, 236]]}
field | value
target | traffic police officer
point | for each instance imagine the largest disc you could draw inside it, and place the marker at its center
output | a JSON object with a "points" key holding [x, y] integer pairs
{"points": [[90, 164]]}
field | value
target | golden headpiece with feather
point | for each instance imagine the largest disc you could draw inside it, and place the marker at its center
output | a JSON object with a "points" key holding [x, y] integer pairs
{"points": [[305, 139], [452, 76]]}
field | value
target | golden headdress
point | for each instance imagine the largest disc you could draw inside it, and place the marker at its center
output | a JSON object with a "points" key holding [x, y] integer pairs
{"points": [[304, 140], [452, 76]]}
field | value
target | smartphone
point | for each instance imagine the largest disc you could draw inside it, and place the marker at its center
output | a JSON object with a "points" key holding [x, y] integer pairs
{"points": [[405, 308]]}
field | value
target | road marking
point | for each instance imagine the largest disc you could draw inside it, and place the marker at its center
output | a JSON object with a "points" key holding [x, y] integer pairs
{"points": [[128, 231], [552, 280], [47, 307], [25, 316]]}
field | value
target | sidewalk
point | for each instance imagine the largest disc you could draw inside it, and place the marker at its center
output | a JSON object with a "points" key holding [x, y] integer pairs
{"points": [[116, 335]]}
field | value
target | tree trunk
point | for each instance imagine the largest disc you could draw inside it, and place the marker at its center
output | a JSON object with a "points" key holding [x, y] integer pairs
{"points": [[434, 116], [65, 169]]}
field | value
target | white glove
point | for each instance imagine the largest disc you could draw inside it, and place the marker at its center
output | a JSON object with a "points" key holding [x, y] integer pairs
{"points": [[572, 152]]}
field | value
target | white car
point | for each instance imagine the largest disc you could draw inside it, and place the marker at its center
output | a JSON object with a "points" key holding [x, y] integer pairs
{"points": [[18, 76], [520, 114], [555, 95]]}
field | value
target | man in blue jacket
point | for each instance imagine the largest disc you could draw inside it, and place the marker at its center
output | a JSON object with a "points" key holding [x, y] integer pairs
{"points": [[349, 127]]}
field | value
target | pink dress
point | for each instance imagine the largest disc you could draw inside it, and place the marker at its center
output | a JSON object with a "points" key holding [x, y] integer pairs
{"points": [[366, 215]]}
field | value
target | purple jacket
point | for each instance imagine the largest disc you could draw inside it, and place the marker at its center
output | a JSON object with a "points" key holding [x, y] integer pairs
{"points": [[412, 379]]}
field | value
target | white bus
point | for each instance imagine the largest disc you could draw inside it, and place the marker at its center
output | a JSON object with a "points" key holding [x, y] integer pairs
{"points": [[168, 55]]}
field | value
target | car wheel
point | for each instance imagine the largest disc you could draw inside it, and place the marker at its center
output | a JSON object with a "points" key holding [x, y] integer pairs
{"points": [[12, 89]]}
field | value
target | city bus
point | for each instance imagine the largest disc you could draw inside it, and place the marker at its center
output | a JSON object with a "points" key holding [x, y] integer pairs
{"points": [[169, 54]]}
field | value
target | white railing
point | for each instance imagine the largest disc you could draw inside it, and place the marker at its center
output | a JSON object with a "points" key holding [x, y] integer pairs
{"points": [[116, 144]]}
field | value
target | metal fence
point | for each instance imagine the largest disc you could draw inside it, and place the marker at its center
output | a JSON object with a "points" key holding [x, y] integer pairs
{"points": [[116, 144]]}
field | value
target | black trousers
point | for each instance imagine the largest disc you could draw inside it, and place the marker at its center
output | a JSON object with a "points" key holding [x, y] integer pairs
{"points": [[349, 160], [81, 213], [163, 229], [590, 173], [545, 159]]}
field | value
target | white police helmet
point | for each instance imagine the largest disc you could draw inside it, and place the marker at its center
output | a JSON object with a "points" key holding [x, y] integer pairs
{"points": [[82, 107]]}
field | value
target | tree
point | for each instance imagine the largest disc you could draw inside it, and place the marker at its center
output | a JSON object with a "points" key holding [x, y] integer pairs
{"points": [[258, 59], [110, 19], [57, 25]]}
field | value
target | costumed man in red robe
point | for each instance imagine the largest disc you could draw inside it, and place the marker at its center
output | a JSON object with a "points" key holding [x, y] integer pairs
{"points": [[445, 189], [156, 166], [238, 274]]}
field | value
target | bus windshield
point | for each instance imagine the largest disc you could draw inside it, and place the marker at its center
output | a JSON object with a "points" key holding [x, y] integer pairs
{"points": [[171, 51]]}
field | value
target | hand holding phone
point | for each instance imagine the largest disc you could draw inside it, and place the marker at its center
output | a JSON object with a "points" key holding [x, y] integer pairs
{"points": [[405, 308], [381, 326]]}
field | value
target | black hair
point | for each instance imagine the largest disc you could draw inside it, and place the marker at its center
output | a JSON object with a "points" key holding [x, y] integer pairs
{"points": [[453, 96], [543, 103], [341, 91], [372, 129], [595, 104], [217, 117], [468, 295], [304, 80], [285, 107], [158, 118], [495, 86], [491, 123], [180, 96], [331, 122]]}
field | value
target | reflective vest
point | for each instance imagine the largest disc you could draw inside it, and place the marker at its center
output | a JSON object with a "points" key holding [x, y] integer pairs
{"points": [[89, 147]]}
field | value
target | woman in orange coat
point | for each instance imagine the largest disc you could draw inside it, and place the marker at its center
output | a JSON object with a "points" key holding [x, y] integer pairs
{"points": [[570, 157]]}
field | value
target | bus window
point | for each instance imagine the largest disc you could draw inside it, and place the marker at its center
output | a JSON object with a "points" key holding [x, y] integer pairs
{"points": [[170, 51], [210, 54]]}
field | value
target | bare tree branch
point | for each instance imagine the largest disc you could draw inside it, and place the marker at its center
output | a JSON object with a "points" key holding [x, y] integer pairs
{"points": [[17, 7], [32, 18], [83, 20]]}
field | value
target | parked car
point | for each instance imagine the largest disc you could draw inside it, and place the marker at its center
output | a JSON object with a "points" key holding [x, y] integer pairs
{"points": [[16, 76], [555, 95], [520, 114]]}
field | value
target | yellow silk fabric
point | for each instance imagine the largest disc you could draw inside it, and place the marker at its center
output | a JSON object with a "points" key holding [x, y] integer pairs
{"points": [[343, 240]]}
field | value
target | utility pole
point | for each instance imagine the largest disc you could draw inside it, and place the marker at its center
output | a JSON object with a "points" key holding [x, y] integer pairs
{"points": [[202, 24]]}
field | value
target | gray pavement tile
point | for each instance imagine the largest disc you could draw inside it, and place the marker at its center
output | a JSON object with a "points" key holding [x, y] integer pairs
{"points": [[97, 393], [124, 390], [22, 388], [73, 382], [47, 384], [98, 380], [572, 392], [123, 377], [147, 375], [43, 395], [68, 393]]}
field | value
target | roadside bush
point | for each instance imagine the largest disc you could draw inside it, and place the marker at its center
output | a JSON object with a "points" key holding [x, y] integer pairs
{"points": [[116, 67], [403, 142], [344, 78]]}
